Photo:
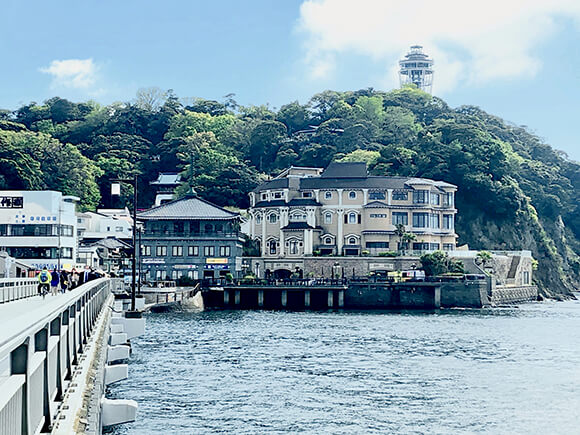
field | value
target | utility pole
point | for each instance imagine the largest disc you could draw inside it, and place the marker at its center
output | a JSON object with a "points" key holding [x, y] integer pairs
{"points": [[116, 190]]}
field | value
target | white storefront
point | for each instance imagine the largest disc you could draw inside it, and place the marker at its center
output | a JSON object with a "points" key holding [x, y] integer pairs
{"points": [[39, 228]]}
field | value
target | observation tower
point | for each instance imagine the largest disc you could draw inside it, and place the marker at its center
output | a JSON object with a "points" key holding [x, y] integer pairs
{"points": [[416, 68]]}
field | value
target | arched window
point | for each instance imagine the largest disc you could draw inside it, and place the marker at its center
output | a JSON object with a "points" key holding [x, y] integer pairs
{"points": [[328, 241], [352, 218], [327, 195], [273, 218], [328, 218], [259, 219], [352, 241], [352, 194], [293, 245], [272, 247]]}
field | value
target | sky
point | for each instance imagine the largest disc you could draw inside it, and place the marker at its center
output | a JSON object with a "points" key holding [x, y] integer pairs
{"points": [[518, 59]]}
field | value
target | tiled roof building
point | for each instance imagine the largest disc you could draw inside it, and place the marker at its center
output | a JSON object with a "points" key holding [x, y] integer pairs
{"points": [[190, 237]]}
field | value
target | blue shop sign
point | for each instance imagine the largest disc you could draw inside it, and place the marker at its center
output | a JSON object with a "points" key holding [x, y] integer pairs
{"points": [[216, 267]]}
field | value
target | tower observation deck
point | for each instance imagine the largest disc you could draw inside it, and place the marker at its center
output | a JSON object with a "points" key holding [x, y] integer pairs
{"points": [[416, 68]]}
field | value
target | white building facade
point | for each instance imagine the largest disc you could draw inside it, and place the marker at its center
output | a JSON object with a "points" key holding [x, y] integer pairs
{"points": [[342, 211], [39, 228]]}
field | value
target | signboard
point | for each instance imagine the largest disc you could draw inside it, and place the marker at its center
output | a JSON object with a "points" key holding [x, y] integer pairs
{"points": [[185, 266], [11, 202], [153, 261], [216, 260], [285, 265], [216, 267], [381, 266]]}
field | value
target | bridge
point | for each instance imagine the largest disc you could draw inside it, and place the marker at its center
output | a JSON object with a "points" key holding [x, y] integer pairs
{"points": [[57, 354]]}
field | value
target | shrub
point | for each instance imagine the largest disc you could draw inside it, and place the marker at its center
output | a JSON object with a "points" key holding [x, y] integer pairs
{"points": [[388, 254]]}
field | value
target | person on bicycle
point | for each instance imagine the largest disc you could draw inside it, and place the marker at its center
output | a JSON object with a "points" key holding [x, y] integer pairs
{"points": [[44, 278]]}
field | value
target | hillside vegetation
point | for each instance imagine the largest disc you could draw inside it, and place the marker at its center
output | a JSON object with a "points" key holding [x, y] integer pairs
{"points": [[515, 192]]}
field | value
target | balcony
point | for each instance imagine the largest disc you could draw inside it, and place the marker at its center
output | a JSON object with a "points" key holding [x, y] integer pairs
{"points": [[190, 235]]}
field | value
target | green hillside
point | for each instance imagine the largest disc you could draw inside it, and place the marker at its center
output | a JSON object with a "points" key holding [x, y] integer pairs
{"points": [[515, 192]]}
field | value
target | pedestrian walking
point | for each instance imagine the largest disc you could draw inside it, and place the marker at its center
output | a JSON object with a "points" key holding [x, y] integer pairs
{"points": [[54, 282], [74, 279], [64, 281]]}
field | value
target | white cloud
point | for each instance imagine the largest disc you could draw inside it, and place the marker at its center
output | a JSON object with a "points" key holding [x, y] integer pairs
{"points": [[72, 73], [471, 42]]}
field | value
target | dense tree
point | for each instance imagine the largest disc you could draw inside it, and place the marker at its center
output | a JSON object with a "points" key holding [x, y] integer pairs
{"points": [[515, 191]]}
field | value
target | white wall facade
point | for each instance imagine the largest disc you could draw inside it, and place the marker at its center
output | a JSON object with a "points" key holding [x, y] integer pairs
{"points": [[39, 228]]}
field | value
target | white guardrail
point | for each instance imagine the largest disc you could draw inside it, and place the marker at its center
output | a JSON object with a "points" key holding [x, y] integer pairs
{"points": [[12, 289], [41, 341]]}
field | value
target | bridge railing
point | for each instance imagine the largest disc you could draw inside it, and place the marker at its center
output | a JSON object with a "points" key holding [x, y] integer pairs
{"points": [[306, 282], [41, 341], [12, 289]]}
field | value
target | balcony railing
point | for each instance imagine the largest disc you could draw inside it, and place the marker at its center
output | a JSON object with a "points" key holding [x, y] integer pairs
{"points": [[213, 235]]}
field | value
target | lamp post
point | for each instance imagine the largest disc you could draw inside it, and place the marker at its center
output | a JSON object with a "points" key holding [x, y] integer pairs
{"points": [[116, 190], [140, 277]]}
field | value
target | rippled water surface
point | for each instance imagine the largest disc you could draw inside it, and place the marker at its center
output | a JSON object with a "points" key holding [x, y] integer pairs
{"points": [[513, 370]]}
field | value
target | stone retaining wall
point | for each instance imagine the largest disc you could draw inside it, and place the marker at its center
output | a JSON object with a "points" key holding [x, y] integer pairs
{"points": [[503, 295]]}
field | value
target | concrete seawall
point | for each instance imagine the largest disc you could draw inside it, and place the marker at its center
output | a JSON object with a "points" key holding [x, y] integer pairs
{"points": [[505, 295], [370, 295]]}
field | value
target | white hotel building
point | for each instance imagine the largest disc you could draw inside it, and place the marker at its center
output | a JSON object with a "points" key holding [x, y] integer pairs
{"points": [[39, 228], [343, 211]]}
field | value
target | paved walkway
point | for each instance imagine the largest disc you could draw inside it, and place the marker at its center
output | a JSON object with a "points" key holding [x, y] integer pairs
{"points": [[17, 317]]}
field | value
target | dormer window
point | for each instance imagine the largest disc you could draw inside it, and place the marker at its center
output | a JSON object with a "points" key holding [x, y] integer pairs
{"points": [[298, 217], [352, 194], [277, 195], [352, 241], [328, 241], [264, 196], [327, 195], [306, 194]]}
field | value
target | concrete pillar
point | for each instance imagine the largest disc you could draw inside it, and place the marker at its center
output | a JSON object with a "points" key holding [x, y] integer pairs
{"points": [[341, 298], [389, 196], [260, 298], [340, 232], [237, 297], [226, 297], [284, 298], [308, 236], [339, 193], [330, 298], [365, 196], [264, 250], [307, 298], [437, 296]]}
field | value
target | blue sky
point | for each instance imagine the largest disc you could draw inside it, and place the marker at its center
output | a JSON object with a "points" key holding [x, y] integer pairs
{"points": [[519, 59]]}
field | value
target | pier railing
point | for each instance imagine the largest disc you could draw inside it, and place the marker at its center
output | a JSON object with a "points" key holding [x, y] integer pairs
{"points": [[307, 282], [12, 289], [41, 342]]}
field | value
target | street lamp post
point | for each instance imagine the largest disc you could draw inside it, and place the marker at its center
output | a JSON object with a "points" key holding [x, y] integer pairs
{"points": [[116, 190], [140, 277]]}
